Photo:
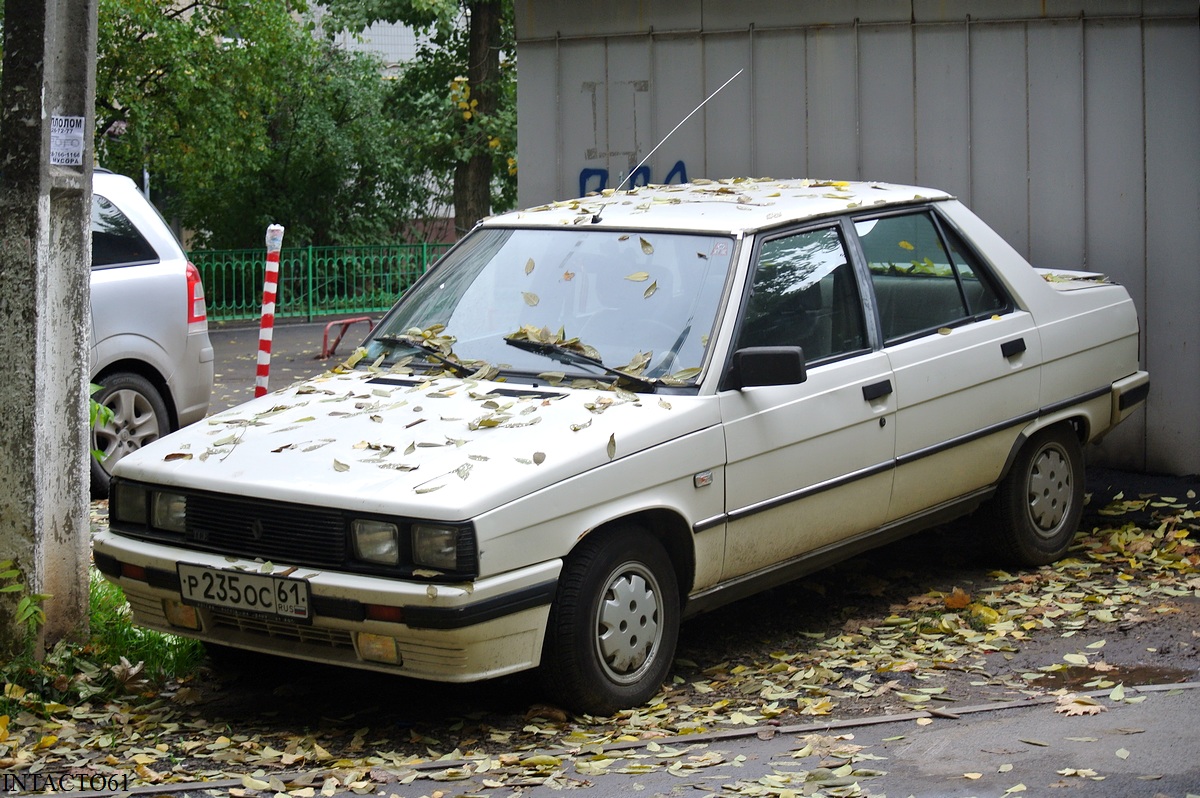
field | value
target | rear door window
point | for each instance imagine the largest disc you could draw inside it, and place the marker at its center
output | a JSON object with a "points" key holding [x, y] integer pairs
{"points": [[115, 239], [923, 280]]}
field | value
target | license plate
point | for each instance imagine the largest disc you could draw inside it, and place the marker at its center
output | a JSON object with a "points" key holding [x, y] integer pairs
{"points": [[242, 592]]}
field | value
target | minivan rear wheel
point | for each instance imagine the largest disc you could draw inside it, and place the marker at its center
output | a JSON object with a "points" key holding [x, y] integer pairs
{"points": [[139, 416]]}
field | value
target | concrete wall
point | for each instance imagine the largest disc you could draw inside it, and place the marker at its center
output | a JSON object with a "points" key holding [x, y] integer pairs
{"points": [[1073, 128]]}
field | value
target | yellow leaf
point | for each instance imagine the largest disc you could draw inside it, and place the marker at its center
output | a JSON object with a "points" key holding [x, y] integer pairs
{"points": [[650, 291], [647, 247], [541, 760], [529, 266], [530, 299], [906, 245], [340, 466], [638, 277], [612, 446], [251, 783]]}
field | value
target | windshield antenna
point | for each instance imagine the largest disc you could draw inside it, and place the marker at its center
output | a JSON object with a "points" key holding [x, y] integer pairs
{"points": [[596, 215]]}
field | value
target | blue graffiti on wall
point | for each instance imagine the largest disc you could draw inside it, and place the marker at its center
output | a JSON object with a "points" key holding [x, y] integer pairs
{"points": [[596, 180]]}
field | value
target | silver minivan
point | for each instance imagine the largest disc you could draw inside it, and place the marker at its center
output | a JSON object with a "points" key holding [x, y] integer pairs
{"points": [[150, 351]]}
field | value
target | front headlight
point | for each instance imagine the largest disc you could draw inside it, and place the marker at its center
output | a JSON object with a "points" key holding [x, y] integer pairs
{"points": [[168, 511], [127, 502], [376, 541], [435, 546]]}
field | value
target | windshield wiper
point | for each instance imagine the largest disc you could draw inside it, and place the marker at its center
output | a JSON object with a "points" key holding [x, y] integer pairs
{"points": [[572, 358], [453, 366]]}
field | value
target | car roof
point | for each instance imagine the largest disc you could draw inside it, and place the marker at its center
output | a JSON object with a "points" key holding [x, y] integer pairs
{"points": [[729, 206]]}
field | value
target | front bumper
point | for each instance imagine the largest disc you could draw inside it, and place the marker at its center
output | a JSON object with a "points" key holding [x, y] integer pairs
{"points": [[453, 633]]}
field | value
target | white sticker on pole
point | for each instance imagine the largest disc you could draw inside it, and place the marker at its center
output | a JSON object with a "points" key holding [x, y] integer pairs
{"points": [[66, 140]]}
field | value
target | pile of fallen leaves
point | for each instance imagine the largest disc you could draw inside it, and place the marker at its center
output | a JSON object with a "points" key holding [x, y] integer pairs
{"points": [[1135, 562]]}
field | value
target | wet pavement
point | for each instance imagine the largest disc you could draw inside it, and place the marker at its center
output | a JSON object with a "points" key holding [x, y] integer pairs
{"points": [[296, 351]]}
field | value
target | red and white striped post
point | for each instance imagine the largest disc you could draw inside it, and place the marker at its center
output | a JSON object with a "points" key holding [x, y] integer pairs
{"points": [[266, 329]]}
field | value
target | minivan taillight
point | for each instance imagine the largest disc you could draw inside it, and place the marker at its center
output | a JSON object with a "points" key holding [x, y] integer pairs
{"points": [[197, 311]]}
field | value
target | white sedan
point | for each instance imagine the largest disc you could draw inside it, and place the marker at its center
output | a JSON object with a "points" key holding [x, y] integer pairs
{"points": [[594, 418]]}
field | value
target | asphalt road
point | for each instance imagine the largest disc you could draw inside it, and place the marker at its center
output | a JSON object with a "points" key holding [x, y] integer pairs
{"points": [[295, 355]]}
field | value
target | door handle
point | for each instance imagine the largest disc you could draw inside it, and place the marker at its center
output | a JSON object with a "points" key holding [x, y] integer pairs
{"points": [[1012, 348], [877, 389]]}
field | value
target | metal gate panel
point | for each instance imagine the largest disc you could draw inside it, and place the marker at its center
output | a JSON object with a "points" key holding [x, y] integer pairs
{"points": [[999, 134], [1056, 138], [886, 98], [676, 89], [630, 125], [942, 103], [539, 145], [778, 82], [1172, 278], [1115, 152], [727, 129], [831, 76]]}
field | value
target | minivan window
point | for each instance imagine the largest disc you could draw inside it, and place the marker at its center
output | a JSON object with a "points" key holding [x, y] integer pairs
{"points": [[115, 239]]}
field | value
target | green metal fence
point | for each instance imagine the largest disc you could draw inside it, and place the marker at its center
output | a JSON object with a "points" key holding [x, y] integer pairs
{"points": [[313, 281]]}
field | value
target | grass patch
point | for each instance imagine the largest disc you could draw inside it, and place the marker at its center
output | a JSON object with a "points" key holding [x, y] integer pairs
{"points": [[114, 636], [118, 660]]}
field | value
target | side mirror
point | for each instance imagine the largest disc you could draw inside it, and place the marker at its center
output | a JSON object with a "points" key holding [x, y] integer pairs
{"points": [[766, 365]]}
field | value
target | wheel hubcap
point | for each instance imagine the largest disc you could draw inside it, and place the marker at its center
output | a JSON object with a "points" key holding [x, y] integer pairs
{"points": [[133, 425], [627, 623], [1050, 488]]}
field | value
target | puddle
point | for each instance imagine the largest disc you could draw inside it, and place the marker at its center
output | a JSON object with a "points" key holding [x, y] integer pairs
{"points": [[1088, 677]]}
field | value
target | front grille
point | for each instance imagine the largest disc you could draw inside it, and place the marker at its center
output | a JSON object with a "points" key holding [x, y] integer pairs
{"points": [[273, 531], [309, 635]]}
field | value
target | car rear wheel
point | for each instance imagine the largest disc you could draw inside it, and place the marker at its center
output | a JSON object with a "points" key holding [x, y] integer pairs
{"points": [[614, 624], [1039, 503], [139, 416]]}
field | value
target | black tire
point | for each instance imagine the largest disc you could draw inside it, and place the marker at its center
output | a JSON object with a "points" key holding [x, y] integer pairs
{"points": [[613, 627], [139, 417], [1040, 501]]}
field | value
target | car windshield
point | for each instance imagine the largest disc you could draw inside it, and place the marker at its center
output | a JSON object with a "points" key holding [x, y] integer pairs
{"points": [[576, 301]]}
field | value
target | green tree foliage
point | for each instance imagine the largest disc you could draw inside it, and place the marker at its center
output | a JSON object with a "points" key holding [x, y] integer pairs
{"points": [[243, 118], [455, 104]]}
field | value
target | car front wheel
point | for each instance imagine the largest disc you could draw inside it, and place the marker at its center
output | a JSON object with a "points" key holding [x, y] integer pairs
{"points": [[1039, 503], [614, 624], [138, 416]]}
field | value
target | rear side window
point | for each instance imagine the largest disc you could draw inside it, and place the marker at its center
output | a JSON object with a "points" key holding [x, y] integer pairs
{"points": [[115, 239], [922, 279]]}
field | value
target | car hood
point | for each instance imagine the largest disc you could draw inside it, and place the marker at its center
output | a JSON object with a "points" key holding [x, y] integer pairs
{"points": [[440, 448]]}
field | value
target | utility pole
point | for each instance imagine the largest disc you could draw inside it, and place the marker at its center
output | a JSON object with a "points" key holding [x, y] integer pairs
{"points": [[47, 99]]}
